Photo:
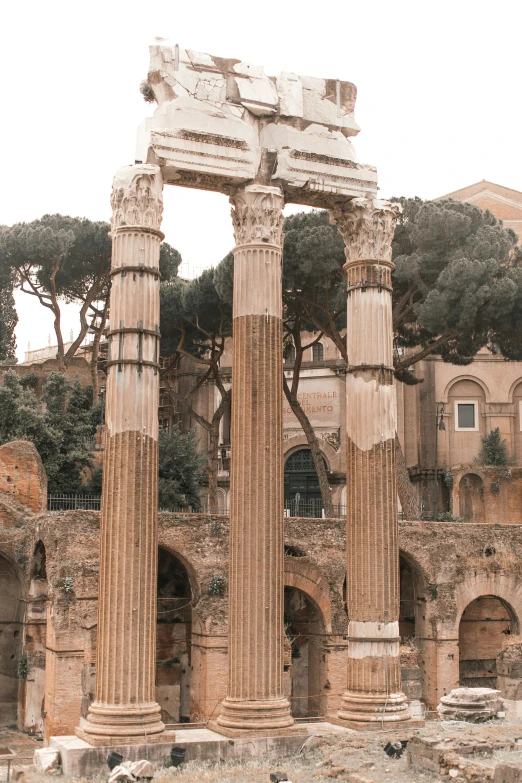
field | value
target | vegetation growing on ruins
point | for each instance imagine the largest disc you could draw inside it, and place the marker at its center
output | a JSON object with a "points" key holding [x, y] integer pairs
{"points": [[494, 449]]}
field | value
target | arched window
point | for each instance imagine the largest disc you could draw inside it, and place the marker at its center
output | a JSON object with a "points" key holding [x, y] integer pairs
{"points": [[289, 353], [302, 491], [318, 352]]}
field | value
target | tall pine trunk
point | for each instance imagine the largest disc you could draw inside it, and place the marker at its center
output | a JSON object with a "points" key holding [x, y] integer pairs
{"points": [[405, 489], [213, 466]]}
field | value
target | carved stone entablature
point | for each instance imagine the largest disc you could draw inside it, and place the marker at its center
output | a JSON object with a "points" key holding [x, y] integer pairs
{"points": [[367, 227], [218, 119], [137, 197], [257, 215]]}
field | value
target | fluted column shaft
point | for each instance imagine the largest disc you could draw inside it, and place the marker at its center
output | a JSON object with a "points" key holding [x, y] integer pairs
{"points": [[373, 694], [255, 698], [125, 705]]}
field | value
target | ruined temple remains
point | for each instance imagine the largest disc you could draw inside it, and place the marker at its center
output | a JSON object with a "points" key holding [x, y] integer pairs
{"points": [[223, 125]]}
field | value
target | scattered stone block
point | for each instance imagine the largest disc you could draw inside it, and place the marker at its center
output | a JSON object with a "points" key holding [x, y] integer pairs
{"points": [[121, 774], [474, 705], [509, 672], [140, 769], [46, 760]]}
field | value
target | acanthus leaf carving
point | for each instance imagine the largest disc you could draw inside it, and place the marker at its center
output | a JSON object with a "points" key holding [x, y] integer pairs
{"points": [[137, 197], [257, 215], [367, 227]]}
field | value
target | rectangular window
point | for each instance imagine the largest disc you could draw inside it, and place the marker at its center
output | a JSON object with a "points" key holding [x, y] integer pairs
{"points": [[466, 416]]}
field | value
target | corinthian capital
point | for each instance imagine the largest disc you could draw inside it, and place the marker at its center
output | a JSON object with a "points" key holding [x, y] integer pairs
{"points": [[257, 215], [367, 227], [137, 197]]}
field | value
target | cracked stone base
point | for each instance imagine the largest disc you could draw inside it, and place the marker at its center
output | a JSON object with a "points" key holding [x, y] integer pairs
{"points": [[377, 724], [375, 712], [113, 740], [288, 731], [122, 725], [256, 718]]}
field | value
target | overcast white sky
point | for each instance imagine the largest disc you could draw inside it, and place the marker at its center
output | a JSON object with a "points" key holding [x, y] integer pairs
{"points": [[439, 99]]}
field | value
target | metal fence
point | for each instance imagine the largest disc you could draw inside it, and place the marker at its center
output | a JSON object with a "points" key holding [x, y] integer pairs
{"points": [[312, 509], [73, 502]]}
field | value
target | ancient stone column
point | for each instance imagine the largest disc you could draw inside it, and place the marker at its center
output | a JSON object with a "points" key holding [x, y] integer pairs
{"points": [[125, 708], [373, 697], [255, 700]]}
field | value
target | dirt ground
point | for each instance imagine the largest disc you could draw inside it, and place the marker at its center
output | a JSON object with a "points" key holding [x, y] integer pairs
{"points": [[333, 757]]}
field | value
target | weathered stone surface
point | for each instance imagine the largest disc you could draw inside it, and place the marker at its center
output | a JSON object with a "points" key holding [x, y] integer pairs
{"points": [[255, 696], [46, 760], [125, 706], [373, 695], [474, 705], [508, 772], [217, 118]]}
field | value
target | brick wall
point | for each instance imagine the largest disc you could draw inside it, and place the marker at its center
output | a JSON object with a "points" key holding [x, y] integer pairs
{"points": [[451, 565], [22, 475]]}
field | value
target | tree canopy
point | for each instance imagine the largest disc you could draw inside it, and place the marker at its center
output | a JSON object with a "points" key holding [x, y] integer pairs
{"points": [[181, 468], [60, 433], [457, 283], [8, 316], [58, 259]]}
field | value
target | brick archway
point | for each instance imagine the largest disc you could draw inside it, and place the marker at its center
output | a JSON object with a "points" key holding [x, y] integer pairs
{"points": [[309, 579], [185, 562], [501, 586]]}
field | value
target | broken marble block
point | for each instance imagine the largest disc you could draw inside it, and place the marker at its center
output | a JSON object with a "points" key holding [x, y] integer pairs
{"points": [[130, 771], [474, 705], [46, 760]]}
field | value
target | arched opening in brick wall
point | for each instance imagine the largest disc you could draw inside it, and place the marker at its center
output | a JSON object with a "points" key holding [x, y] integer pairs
{"points": [[306, 676], [35, 640], [11, 633], [485, 628], [412, 586], [471, 498], [407, 601], [173, 638]]}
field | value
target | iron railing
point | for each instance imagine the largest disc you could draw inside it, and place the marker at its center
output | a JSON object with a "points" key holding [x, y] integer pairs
{"points": [[73, 502], [312, 509]]}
